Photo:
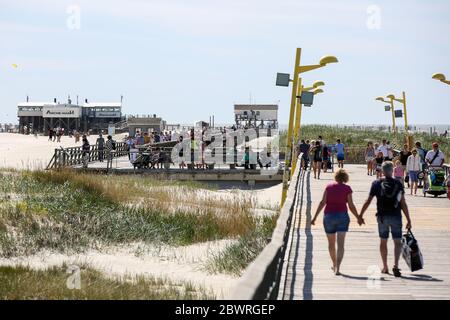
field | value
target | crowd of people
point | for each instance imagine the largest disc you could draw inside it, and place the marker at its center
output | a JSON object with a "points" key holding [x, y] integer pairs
{"points": [[407, 164], [55, 134], [321, 154]]}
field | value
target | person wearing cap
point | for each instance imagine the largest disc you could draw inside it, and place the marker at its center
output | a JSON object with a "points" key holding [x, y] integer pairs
{"points": [[435, 157]]}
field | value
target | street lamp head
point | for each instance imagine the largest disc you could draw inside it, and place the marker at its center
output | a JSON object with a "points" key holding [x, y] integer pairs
{"points": [[328, 59], [380, 99], [439, 76], [318, 84], [317, 91], [391, 96]]}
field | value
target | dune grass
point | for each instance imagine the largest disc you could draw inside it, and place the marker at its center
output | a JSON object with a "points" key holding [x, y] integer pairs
{"points": [[23, 283], [237, 256], [64, 211], [353, 137]]}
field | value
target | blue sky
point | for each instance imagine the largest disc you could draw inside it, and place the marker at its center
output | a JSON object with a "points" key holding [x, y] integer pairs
{"points": [[187, 60]]}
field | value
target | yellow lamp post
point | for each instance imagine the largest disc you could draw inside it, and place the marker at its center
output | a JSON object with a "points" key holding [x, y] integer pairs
{"points": [[402, 101], [440, 77], [391, 102], [298, 113], [297, 82]]}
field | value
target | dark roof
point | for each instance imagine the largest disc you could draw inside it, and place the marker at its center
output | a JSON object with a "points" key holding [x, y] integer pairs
{"points": [[255, 107]]}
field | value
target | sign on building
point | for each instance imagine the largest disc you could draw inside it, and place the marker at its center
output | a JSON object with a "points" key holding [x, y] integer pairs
{"points": [[61, 112], [107, 114]]}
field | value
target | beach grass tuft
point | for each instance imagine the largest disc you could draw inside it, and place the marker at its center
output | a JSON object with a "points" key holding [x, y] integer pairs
{"points": [[24, 283]]}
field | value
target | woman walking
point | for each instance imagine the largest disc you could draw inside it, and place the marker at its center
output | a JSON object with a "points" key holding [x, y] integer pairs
{"points": [[369, 156], [413, 168], [317, 159], [336, 219], [404, 155], [378, 163]]}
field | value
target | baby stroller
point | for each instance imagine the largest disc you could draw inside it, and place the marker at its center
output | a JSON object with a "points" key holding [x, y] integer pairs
{"points": [[142, 161], [435, 183]]}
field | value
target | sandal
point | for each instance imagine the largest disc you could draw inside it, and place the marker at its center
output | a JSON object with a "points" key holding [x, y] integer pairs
{"points": [[396, 272]]}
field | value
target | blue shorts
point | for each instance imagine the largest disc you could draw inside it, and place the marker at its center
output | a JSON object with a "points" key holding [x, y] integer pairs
{"points": [[392, 223], [340, 157], [413, 176], [336, 222]]}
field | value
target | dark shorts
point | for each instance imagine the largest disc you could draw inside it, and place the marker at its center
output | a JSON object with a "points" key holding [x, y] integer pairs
{"points": [[340, 157], [390, 223], [336, 222]]}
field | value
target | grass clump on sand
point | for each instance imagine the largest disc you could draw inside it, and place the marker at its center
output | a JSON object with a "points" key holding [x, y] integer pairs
{"points": [[23, 283], [238, 255], [69, 211]]}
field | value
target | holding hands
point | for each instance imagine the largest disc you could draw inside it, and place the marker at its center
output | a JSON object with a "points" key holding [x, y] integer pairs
{"points": [[360, 220]]}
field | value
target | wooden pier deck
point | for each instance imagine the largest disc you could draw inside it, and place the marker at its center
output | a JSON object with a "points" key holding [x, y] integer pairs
{"points": [[122, 165], [307, 267]]}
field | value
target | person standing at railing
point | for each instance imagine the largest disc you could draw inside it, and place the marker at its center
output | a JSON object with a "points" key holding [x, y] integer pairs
{"points": [[304, 151], [109, 151], [85, 149], [336, 220], [100, 147]]}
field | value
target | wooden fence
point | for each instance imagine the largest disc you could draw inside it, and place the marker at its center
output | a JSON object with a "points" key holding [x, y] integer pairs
{"points": [[72, 156]]}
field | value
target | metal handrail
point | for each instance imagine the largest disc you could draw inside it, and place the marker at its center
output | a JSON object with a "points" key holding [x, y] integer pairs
{"points": [[261, 280]]}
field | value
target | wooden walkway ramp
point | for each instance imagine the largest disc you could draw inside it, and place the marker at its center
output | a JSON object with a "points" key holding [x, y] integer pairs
{"points": [[307, 271]]}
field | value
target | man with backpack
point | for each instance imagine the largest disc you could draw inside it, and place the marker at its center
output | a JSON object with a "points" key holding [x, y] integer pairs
{"points": [[391, 202]]}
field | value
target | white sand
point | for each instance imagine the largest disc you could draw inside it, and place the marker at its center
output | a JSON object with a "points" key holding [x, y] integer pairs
{"points": [[20, 151]]}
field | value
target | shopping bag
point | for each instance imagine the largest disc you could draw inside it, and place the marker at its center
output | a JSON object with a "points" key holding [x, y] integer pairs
{"points": [[411, 252]]}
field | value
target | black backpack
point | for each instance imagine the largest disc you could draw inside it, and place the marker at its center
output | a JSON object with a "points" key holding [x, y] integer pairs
{"points": [[389, 196], [113, 144]]}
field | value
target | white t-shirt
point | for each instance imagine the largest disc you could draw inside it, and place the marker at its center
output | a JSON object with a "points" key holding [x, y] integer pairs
{"points": [[438, 160], [384, 149]]}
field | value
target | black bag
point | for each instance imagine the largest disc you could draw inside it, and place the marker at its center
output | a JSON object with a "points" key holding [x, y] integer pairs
{"points": [[113, 144], [407, 179], [411, 252]]}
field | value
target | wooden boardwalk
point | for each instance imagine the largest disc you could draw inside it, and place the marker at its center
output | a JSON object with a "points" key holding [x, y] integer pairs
{"points": [[307, 269]]}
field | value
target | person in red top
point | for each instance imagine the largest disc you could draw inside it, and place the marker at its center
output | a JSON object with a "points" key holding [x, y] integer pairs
{"points": [[336, 197]]}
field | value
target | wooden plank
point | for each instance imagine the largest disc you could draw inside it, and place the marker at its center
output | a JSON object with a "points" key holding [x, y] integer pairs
{"points": [[308, 272]]}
